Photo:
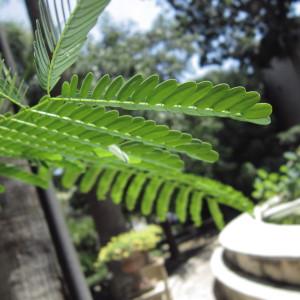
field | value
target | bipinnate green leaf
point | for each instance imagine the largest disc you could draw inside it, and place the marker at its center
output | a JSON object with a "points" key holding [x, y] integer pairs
{"points": [[56, 48], [12, 171], [10, 88], [133, 136], [191, 98], [159, 192], [216, 213]]}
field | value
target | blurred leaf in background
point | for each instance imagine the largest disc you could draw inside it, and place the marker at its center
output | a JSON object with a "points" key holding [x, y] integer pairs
{"points": [[285, 182]]}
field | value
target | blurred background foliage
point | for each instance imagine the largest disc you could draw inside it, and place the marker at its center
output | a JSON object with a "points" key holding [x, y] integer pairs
{"points": [[251, 32], [285, 182]]}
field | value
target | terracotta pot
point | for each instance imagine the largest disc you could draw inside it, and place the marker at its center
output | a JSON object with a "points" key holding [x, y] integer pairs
{"points": [[134, 262]]}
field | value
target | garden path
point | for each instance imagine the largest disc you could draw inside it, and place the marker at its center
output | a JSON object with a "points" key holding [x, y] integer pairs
{"points": [[194, 280]]}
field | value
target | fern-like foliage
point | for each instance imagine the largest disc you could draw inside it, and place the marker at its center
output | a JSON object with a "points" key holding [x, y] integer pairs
{"points": [[34, 135], [71, 131], [20, 173], [56, 49], [130, 159], [139, 93], [127, 131], [159, 191], [8, 86]]}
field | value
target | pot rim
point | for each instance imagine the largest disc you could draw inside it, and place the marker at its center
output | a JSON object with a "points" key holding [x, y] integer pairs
{"points": [[253, 237]]}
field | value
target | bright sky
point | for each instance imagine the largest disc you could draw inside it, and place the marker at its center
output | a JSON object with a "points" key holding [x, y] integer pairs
{"points": [[141, 12]]}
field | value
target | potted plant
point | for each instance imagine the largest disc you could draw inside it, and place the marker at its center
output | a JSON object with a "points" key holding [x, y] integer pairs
{"points": [[130, 250], [264, 244], [279, 192]]}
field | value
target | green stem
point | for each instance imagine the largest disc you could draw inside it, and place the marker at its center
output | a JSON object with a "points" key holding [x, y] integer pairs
{"points": [[12, 100]]}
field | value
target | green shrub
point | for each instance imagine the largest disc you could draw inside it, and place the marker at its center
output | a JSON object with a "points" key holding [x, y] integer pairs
{"points": [[286, 182], [125, 244]]}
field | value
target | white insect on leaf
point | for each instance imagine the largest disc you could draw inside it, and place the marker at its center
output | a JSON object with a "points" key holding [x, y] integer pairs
{"points": [[118, 153]]}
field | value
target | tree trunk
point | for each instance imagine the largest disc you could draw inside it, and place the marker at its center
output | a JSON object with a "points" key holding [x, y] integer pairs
{"points": [[33, 12], [284, 93], [110, 221], [108, 218], [5, 49], [29, 269]]}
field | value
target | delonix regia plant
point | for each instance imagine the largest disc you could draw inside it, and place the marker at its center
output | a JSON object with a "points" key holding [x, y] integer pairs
{"points": [[133, 159]]}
